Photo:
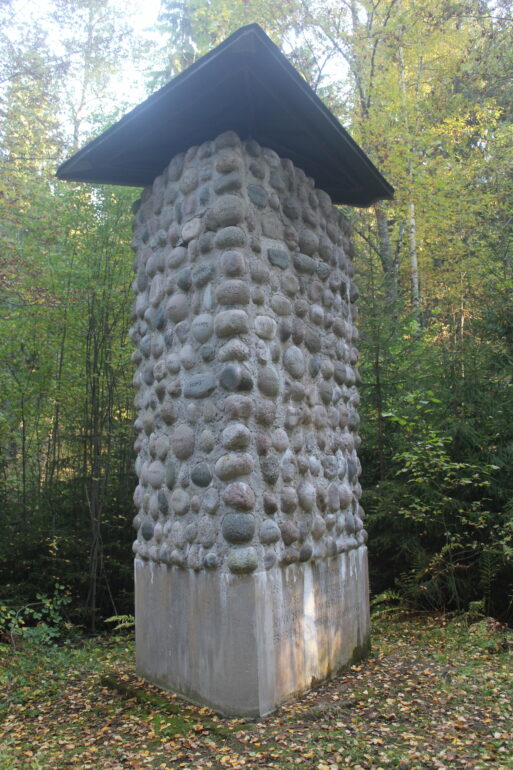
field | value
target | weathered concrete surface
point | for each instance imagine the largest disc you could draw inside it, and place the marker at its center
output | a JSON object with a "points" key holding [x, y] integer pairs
{"points": [[245, 643]]}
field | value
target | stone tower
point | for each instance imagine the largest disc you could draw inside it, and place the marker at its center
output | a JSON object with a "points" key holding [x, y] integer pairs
{"points": [[250, 557]]}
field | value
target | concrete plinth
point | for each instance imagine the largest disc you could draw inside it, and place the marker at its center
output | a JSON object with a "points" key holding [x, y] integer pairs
{"points": [[244, 644]]}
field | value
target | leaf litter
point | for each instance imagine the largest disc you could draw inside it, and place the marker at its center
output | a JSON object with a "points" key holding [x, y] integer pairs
{"points": [[434, 693]]}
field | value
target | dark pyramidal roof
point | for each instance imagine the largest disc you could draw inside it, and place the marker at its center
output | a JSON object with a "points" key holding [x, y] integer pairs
{"points": [[245, 85]]}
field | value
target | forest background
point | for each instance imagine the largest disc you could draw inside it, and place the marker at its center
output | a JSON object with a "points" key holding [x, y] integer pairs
{"points": [[426, 89]]}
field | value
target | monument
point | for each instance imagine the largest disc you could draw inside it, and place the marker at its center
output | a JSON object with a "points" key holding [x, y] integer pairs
{"points": [[250, 557]]}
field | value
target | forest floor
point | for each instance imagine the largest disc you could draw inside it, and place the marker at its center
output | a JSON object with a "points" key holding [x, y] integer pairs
{"points": [[435, 693]]}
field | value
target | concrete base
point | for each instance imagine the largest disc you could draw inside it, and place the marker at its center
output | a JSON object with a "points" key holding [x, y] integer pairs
{"points": [[245, 644]]}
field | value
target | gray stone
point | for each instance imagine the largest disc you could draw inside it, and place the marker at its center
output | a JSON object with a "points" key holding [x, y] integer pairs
{"points": [[182, 442], [269, 532], [268, 381], [235, 377], [304, 263], [313, 340], [308, 241], [294, 362], [202, 275], [210, 501], [233, 292], [242, 560], [228, 210], [147, 529], [210, 561], [230, 323], [235, 436], [170, 475], [177, 307], [265, 411], [155, 474], [199, 385], [230, 182], [179, 502], [239, 495], [238, 407], [229, 238], [305, 552], [238, 527], [288, 501], [162, 502], [289, 532], [270, 469], [202, 327], [270, 503], [306, 496], [201, 475], [278, 258], [281, 305], [231, 465], [207, 534], [265, 327], [258, 195], [234, 350], [233, 264]]}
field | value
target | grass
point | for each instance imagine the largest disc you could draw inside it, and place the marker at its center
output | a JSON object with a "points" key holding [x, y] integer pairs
{"points": [[435, 693]]}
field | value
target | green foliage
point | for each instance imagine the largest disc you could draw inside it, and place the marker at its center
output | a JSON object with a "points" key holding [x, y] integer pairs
{"points": [[40, 622]]}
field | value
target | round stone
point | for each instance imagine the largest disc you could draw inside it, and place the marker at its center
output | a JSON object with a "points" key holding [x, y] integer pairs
{"points": [[232, 465], [305, 552], [345, 496], [233, 292], [270, 504], [333, 497], [183, 442], [269, 532], [202, 275], [235, 436], [206, 441], [163, 504], [228, 210], [229, 237], [191, 532], [147, 529], [155, 474], [242, 560], [201, 475], [235, 377], [229, 323], [270, 468], [294, 362], [281, 305], [265, 327], [288, 499], [312, 340], [170, 475], [268, 381], [202, 327], [289, 532], [207, 534], [177, 307], [265, 412], [238, 407], [280, 440], [233, 264], [240, 496], [210, 561], [238, 527], [180, 502], [318, 528], [210, 502], [306, 496]]}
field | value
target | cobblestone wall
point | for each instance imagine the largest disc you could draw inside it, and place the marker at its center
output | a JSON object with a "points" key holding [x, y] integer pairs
{"points": [[246, 381]]}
